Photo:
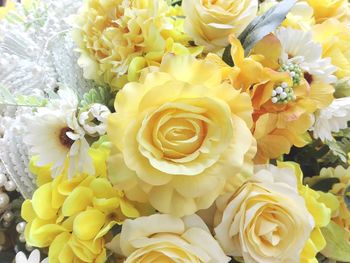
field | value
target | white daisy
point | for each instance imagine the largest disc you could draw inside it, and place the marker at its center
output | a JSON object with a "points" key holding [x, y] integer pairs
{"points": [[332, 119], [299, 49], [34, 257], [55, 135]]}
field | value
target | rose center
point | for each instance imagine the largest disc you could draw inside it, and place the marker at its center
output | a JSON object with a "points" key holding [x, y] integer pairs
{"points": [[64, 139]]}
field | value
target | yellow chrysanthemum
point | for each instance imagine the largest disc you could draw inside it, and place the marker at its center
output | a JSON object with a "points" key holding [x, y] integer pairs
{"points": [[320, 205], [325, 9], [117, 38], [182, 134], [335, 39], [71, 217]]}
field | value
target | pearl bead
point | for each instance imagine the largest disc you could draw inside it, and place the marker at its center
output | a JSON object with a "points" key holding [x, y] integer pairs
{"points": [[1, 248], [274, 93], [29, 247], [21, 227], [279, 90], [284, 85], [22, 238], [274, 100], [10, 186], [4, 200], [283, 95], [8, 216], [3, 179]]}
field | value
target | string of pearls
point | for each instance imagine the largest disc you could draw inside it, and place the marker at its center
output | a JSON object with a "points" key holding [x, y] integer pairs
{"points": [[6, 215]]}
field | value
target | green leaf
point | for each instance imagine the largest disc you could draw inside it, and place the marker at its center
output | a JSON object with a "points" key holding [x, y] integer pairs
{"points": [[326, 184], [337, 247], [102, 95], [347, 197], [342, 88], [260, 27], [263, 25], [30, 101], [337, 150]]}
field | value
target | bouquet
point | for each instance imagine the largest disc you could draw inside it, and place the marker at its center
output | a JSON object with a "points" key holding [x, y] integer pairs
{"points": [[175, 131]]}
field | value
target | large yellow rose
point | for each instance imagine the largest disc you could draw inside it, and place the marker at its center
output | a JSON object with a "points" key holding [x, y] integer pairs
{"points": [[166, 239], [335, 39], [266, 220], [209, 22], [182, 135]]}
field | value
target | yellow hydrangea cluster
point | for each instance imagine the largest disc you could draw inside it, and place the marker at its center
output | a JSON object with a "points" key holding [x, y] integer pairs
{"points": [[72, 217], [117, 38], [342, 214]]}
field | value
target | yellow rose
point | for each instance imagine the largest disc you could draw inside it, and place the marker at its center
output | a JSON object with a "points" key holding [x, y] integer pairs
{"points": [[164, 238], [266, 220], [210, 23], [335, 39], [182, 133]]}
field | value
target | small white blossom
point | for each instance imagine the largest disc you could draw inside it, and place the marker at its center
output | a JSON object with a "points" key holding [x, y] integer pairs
{"points": [[96, 113], [332, 119], [34, 257]]}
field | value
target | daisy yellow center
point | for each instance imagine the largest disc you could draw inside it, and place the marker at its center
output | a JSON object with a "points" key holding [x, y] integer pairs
{"points": [[64, 139]]}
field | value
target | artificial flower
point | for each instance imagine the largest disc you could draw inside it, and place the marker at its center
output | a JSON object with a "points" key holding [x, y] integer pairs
{"points": [[321, 206], [71, 217], [94, 120], [301, 16], [334, 36], [341, 215], [299, 49], [282, 98], [182, 135], [54, 134], [165, 238], [325, 9], [266, 220], [34, 257], [209, 23], [117, 38], [332, 119]]}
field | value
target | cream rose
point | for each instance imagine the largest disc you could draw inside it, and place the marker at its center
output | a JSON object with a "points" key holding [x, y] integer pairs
{"points": [[182, 135], [164, 238], [210, 22], [266, 220]]}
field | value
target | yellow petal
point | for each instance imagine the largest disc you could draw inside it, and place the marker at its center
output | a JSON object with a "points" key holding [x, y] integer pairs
{"points": [[77, 201], [27, 211], [88, 223], [42, 200]]}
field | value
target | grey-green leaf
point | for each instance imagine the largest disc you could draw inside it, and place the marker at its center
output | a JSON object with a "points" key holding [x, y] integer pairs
{"points": [[263, 25]]}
